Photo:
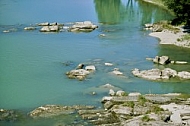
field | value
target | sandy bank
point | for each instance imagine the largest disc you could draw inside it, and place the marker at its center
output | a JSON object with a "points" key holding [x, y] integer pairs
{"points": [[169, 37]]}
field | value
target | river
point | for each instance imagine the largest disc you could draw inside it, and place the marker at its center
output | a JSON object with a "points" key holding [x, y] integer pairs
{"points": [[32, 64]]}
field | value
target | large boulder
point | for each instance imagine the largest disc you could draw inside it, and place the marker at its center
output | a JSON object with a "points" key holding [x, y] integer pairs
{"points": [[86, 26], [161, 60], [184, 75], [153, 74], [157, 74], [80, 72], [54, 28]]}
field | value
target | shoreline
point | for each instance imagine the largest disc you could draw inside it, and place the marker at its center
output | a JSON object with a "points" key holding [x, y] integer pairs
{"points": [[118, 109], [171, 38], [166, 36]]}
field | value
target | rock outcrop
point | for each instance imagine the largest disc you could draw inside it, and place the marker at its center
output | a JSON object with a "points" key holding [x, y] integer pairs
{"points": [[80, 72], [132, 109], [50, 27], [164, 60], [86, 26], [161, 60], [157, 74], [55, 110]]}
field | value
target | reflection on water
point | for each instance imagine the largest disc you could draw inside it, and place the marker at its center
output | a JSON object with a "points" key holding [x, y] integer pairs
{"points": [[32, 73], [109, 11], [117, 11]]}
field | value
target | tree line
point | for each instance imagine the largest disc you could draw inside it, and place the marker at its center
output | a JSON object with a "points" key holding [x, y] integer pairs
{"points": [[181, 9]]}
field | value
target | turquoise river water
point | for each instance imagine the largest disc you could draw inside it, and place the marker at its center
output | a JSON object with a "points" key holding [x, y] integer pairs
{"points": [[32, 64]]}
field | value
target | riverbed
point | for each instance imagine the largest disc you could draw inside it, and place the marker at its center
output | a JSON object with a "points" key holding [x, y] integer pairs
{"points": [[33, 64]]}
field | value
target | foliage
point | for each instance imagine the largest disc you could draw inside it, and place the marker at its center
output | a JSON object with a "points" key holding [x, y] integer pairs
{"points": [[167, 25], [146, 118], [129, 104], [156, 109], [181, 10], [142, 100], [184, 96]]}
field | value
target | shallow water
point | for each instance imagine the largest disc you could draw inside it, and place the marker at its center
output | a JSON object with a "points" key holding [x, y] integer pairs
{"points": [[32, 68]]}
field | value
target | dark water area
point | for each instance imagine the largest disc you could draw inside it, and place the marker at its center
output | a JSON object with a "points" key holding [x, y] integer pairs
{"points": [[32, 70]]}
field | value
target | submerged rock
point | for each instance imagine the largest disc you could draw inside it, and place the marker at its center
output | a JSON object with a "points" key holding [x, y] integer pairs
{"points": [[10, 115], [116, 71], [55, 110], [30, 28], [134, 109]]}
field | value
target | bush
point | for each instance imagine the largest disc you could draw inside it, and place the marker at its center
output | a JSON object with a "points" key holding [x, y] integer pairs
{"points": [[181, 10]]}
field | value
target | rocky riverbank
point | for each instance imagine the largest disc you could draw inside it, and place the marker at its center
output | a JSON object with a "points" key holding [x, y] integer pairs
{"points": [[168, 34], [118, 109]]}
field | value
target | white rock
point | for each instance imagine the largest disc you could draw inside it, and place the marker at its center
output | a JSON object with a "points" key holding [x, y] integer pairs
{"points": [[120, 93], [102, 35], [108, 64], [122, 110], [111, 92], [90, 68], [45, 29], [184, 75], [43, 24], [181, 62], [175, 117], [148, 25], [117, 72], [108, 86], [106, 98], [29, 28], [134, 94]]}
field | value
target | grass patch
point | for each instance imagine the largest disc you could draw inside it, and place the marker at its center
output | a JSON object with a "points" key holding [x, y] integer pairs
{"points": [[166, 25], [185, 38], [184, 96], [142, 100], [146, 118], [156, 109], [130, 104]]}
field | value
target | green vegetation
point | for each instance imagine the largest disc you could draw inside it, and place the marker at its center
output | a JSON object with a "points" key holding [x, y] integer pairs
{"points": [[146, 118], [184, 96], [129, 104], [167, 25], [142, 100], [185, 38], [180, 98], [180, 9], [156, 109]]}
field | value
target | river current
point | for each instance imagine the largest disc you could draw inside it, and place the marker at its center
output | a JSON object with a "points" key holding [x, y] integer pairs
{"points": [[32, 64]]}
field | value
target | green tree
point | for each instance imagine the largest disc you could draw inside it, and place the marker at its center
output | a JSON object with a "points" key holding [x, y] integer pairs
{"points": [[181, 8]]}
